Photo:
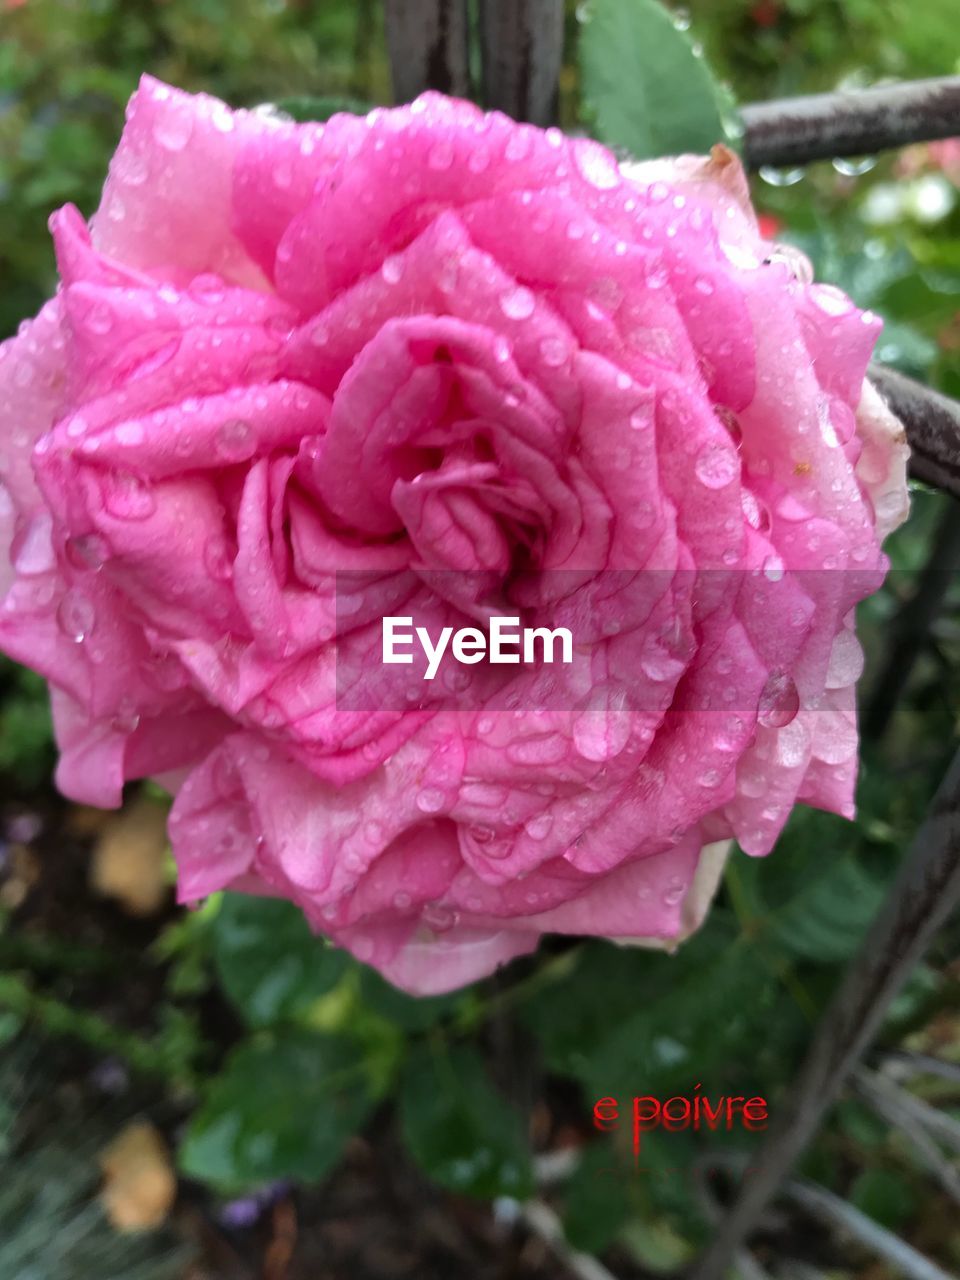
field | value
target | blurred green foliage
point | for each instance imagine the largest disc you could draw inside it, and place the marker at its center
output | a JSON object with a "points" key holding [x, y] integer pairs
{"points": [[321, 1042]]}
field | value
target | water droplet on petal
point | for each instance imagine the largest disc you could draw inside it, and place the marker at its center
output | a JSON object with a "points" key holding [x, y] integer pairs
{"points": [[128, 497], [554, 352], [779, 701], [99, 319], [440, 156], [126, 719], [601, 729], [402, 901], [430, 800], [76, 616], [597, 165], [235, 440], [86, 552], [773, 568], [172, 128], [392, 268], [218, 558], [538, 828], [716, 466], [439, 918], [517, 303], [674, 891]]}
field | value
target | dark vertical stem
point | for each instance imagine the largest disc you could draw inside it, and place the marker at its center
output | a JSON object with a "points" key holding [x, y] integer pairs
{"points": [[924, 894], [427, 42], [910, 629], [522, 44]]}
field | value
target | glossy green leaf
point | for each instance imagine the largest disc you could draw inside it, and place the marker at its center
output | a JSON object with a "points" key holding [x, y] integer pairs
{"points": [[459, 1129], [282, 1108], [271, 964], [643, 84]]}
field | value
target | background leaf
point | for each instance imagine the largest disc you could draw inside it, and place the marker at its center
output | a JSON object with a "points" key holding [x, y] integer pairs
{"points": [[282, 1108], [459, 1129], [271, 964], [643, 84]]}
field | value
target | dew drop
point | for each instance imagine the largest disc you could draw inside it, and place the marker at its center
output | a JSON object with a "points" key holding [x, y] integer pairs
{"points": [[430, 800], [235, 440], [99, 319], [641, 417], [517, 303], [674, 891], [440, 156], [76, 616], [392, 268], [129, 434], [601, 729], [173, 128], [716, 466], [779, 701], [126, 720], [773, 568], [538, 828], [597, 165], [402, 901], [218, 559], [127, 497], [780, 177], [439, 918], [86, 552], [554, 352]]}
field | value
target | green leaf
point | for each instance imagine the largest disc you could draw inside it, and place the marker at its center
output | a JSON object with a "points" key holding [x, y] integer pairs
{"points": [[826, 922], [643, 84], [886, 1196], [270, 963], [308, 110], [631, 1021], [282, 1108], [459, 1129], [596, 1202], [410, 1013], [810, 899]]}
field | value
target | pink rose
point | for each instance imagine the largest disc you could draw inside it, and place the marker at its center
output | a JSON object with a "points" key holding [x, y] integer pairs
{"points": [[439, 364]]}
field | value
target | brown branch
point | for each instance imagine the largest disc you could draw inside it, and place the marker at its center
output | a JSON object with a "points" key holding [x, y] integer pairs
{"points": [[924, 894], [794, 131], [932, 422]]}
